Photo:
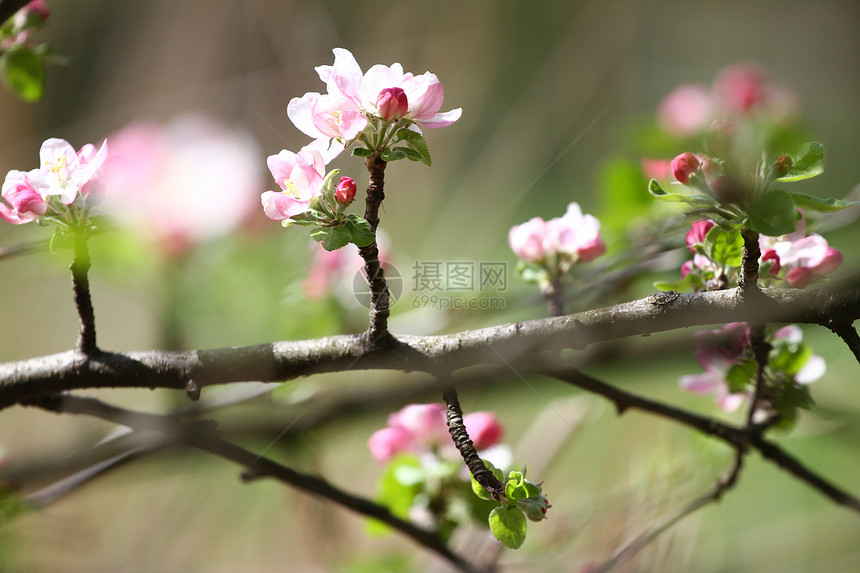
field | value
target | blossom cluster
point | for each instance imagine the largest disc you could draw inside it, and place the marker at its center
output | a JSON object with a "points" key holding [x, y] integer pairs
{"points": [[730, 369], [423, 429], [375, 111], [60, 189], [554, 246], [795, 259], [17, 33], [740, 90]]}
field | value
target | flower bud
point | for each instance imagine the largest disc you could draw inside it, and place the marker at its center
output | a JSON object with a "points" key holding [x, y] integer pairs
{"points": [[392, 104], [829, 263], [534, 507], [696, 235], [685, 165], [345, 191], [782, 165], [799, 277], [483, 429], [771, 257]]}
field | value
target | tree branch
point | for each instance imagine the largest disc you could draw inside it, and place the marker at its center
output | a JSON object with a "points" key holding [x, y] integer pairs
{"points": [[518, 342], [256, 466], [81, 287], [846, 331]]}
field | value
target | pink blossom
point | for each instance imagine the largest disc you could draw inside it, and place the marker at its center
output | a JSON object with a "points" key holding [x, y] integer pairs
{"points": [[578, 234], [392, 104], [660, 169], [723, 346], [527, 240], [739, 88], [388, 442], [425, 422], [814, 367], [34, 13], [696, 235], [483, 428], [300, 177], [62, 171], [25, 204], [685, 110], [806, 257], [325, 117], [770, 257], [183, 182], [685, 165]]}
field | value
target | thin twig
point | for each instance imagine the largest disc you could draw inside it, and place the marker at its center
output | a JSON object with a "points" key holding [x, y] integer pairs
{"points": [[81, 286], [737, 437], [846, 331], [256, 465], [748, 279], [721, 487], [457, 429]]}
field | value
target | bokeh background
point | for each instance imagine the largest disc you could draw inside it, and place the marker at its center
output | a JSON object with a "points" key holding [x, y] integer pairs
{"points": [[552, 92]]}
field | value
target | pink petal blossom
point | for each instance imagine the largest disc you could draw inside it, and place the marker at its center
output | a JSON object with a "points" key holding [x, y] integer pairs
{"points": [[698, 231], [685, 110], [527, 240], [300, 177], [181, 183], [388, 442], [392, 103], [25, 204], [425, 422], [483, 428], [62, 172], [578, 234]]}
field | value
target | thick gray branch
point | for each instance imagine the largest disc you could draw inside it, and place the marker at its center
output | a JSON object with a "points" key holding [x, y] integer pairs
{"points": [[279, 361]]}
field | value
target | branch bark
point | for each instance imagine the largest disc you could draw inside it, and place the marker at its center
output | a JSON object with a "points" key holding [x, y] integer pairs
{"points": [[518, 342]]}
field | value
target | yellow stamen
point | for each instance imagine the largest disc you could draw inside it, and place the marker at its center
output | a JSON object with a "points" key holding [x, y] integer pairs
{"points": [[290, 189]]}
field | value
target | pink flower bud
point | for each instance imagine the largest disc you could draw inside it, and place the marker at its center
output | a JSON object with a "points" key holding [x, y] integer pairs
{"points": [[696, 235], [388, 442], [771, 257], [483, 428], [782, 165], [527, 240], [685, 165], [345, 191], [425, 422], [799, 277], [739, 88], [686, 269], [392, 103], [831, 261]]}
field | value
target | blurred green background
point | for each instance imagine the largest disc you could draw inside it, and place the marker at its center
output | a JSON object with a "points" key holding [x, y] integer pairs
{"points": [[550, 92]]}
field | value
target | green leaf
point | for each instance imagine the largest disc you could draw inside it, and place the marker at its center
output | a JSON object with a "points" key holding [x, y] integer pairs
{"points": [[724, 247], [23, 72], [809, 163], [508, 525], [698, 201], [411, 154], [361, 233], [532, 273], [773, 214], [361, 152], [332, 238], [740, 376], [393, 154], [397, 496], [416, 142], [812, 203], [690, 282], [789, 358]]}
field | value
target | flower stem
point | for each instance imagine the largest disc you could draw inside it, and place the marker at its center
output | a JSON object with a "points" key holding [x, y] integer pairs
{"points": [[748, 280], [80, 268], [377, 332], [554, 293]]}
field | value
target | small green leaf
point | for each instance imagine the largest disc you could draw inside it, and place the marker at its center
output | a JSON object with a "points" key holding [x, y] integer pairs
{"points": [[332, 238], [809, 163], [790, 358], [23, 72], [724, 247], [394, 494], [773, 214], [740, 376], [361, 233], [411, 154], [698, 201], [393, 154], [812, 203], [417, 143], [508, 525], [361, 152], [690, 282]]}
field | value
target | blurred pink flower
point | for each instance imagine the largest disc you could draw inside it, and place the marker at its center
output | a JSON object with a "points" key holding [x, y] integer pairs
{"points": [[717, 351], [182, 183], [804, 257], [696, 235], [386, 443], [685, 110], [527, 240], [575, 236], [685, 165], [483, 428], [25, 204]]}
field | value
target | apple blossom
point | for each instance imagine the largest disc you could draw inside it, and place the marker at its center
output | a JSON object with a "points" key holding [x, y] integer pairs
{"points": [[527, 240], [25, 204], [300, 177], [573, 237], [483, 428], [154, 178], [685, 110], [392, 104], [386, 443], [345, 191], [696, 235]]}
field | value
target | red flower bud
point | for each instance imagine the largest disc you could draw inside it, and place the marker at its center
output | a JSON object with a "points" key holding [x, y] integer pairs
{"points": [[782, 165], [392, 103], [684, 165], [345, 191], [771, 257]]}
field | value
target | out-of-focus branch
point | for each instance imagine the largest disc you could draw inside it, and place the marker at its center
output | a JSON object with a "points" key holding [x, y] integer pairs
{"points": [[518, 342], [736, 437], [196, 436], [722, 486], [846, 331]]}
